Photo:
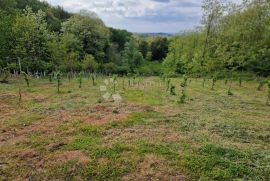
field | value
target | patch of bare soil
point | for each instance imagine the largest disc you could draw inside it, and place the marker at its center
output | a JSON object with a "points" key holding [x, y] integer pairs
{"points": [[71, 155], [154, 168]]}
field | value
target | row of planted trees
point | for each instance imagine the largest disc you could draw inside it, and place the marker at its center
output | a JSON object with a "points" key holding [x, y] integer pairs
{"points": [[129, 81], [170, 87]]}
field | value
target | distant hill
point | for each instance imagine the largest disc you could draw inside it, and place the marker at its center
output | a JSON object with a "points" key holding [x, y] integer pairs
{"points": [[155, 34]]}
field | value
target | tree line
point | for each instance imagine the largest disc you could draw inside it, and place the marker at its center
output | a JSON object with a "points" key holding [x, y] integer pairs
{"points": [[232, 38], [37, 37]]}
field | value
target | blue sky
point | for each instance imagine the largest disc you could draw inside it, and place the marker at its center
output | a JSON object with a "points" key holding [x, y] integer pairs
{"points": [[141, 15]]}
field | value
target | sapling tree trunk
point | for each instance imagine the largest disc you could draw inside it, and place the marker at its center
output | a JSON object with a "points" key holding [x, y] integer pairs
{"points": [[268, 98], [183, 95], [123, 83], [230, 89], [114, 83], [204, 80], [50, 77], [240, 81], [69, 75], [168, 84], [58, 76], [80, 80], [20, 95], [93, 79]]}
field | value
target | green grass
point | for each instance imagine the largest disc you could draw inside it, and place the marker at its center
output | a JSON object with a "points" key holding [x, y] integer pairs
{"points": [[213, 136]]}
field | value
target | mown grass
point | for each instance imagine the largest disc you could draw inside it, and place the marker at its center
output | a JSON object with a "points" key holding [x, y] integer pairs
{"points": [[213, 136]]}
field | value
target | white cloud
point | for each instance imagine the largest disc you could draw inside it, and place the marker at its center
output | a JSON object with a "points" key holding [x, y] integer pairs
{"points": [[141, 15]]}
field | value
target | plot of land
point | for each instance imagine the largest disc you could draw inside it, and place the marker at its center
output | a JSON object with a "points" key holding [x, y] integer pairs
{"points": [[148, 136]]}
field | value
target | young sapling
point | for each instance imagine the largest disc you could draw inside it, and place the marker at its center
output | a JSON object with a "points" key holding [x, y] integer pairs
{"points": [[26, 78], [58, 77], [214, 80], [80, 80], [172, 90]]}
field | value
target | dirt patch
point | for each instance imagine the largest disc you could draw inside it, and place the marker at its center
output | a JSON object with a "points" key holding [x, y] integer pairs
{"points": [[28, 154], [153, 167], [72, 155], [55, 146]]}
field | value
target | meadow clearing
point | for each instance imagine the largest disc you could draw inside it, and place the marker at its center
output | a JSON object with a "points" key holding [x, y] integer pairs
{"points": [[77, 135]]}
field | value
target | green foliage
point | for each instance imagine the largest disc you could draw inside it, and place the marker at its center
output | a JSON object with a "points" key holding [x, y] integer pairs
{"points": [[6, 75], [25, 76], [261, 84], [29, 30], [159, 48], [183, 95], [131, 56], [213, 162], [229, 40], [184, 82], [150, 69], [172, 90], [89, 63]]}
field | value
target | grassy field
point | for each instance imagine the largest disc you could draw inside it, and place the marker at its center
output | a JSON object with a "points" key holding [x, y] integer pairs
{"points": [[74, 135]]}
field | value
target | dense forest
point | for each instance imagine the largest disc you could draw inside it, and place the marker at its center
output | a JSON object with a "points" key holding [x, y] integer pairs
{"points": [[37, 37]]}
